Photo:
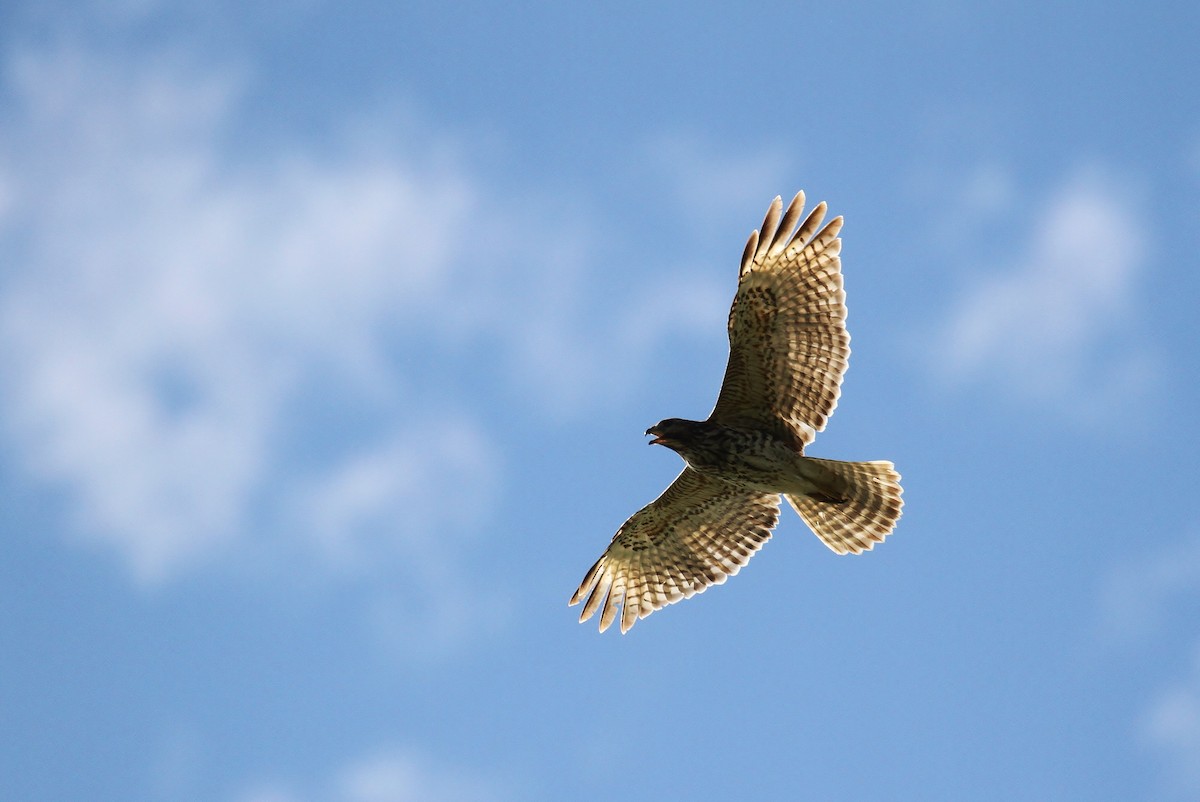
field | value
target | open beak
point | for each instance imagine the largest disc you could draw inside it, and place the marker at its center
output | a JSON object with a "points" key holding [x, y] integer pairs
{"points": [[658, 440]]}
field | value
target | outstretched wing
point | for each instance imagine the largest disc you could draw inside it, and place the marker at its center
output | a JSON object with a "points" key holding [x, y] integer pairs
{"points": [[698, 532], [788, 344]]}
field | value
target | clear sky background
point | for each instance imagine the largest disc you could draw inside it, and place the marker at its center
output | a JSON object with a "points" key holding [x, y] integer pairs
{"points": [[329, 332]]}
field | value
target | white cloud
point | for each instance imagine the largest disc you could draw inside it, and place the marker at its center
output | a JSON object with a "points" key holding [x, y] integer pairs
{"points": [[170, 311], [1171, 727], [387, 775], [398, 776], [1153, 597], [395, 479], [1059, 322], [207, 347]]}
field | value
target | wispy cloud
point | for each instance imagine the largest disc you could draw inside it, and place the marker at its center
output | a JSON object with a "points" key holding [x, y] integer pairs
{"points": [[1057, 320], [206, 346], [1171, 728], [387, 775], [170, 313], [398, 776], [1152, 600]]}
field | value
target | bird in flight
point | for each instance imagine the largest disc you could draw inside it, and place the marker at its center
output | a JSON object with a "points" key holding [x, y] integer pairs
{"points": [[788, 351]]}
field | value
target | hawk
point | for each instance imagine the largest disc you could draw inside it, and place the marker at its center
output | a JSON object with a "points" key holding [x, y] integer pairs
{"points": [[788, 351]]}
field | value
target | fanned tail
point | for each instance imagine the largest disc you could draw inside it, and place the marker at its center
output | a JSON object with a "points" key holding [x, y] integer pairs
{"points": [[867, 514]]}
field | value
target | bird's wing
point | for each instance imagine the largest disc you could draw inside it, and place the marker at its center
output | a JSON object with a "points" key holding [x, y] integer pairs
{"points": [[698, 532], [788, 344]]}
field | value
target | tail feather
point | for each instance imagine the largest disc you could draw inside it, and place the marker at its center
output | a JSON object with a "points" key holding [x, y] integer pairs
{"points": [[865, 516]]}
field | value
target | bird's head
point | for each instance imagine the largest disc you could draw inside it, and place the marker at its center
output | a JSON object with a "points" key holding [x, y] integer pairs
{"points": [[673, 433]]}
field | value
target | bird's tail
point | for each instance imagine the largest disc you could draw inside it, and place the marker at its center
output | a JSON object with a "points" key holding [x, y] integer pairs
{"points": [[866, 511]]}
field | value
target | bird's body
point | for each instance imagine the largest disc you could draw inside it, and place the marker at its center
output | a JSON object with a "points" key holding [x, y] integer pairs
{"points": [[788, 351], [755, 458]]}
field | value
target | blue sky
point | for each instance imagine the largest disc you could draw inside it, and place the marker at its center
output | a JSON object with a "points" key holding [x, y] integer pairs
{"points": [[328, 333]]}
